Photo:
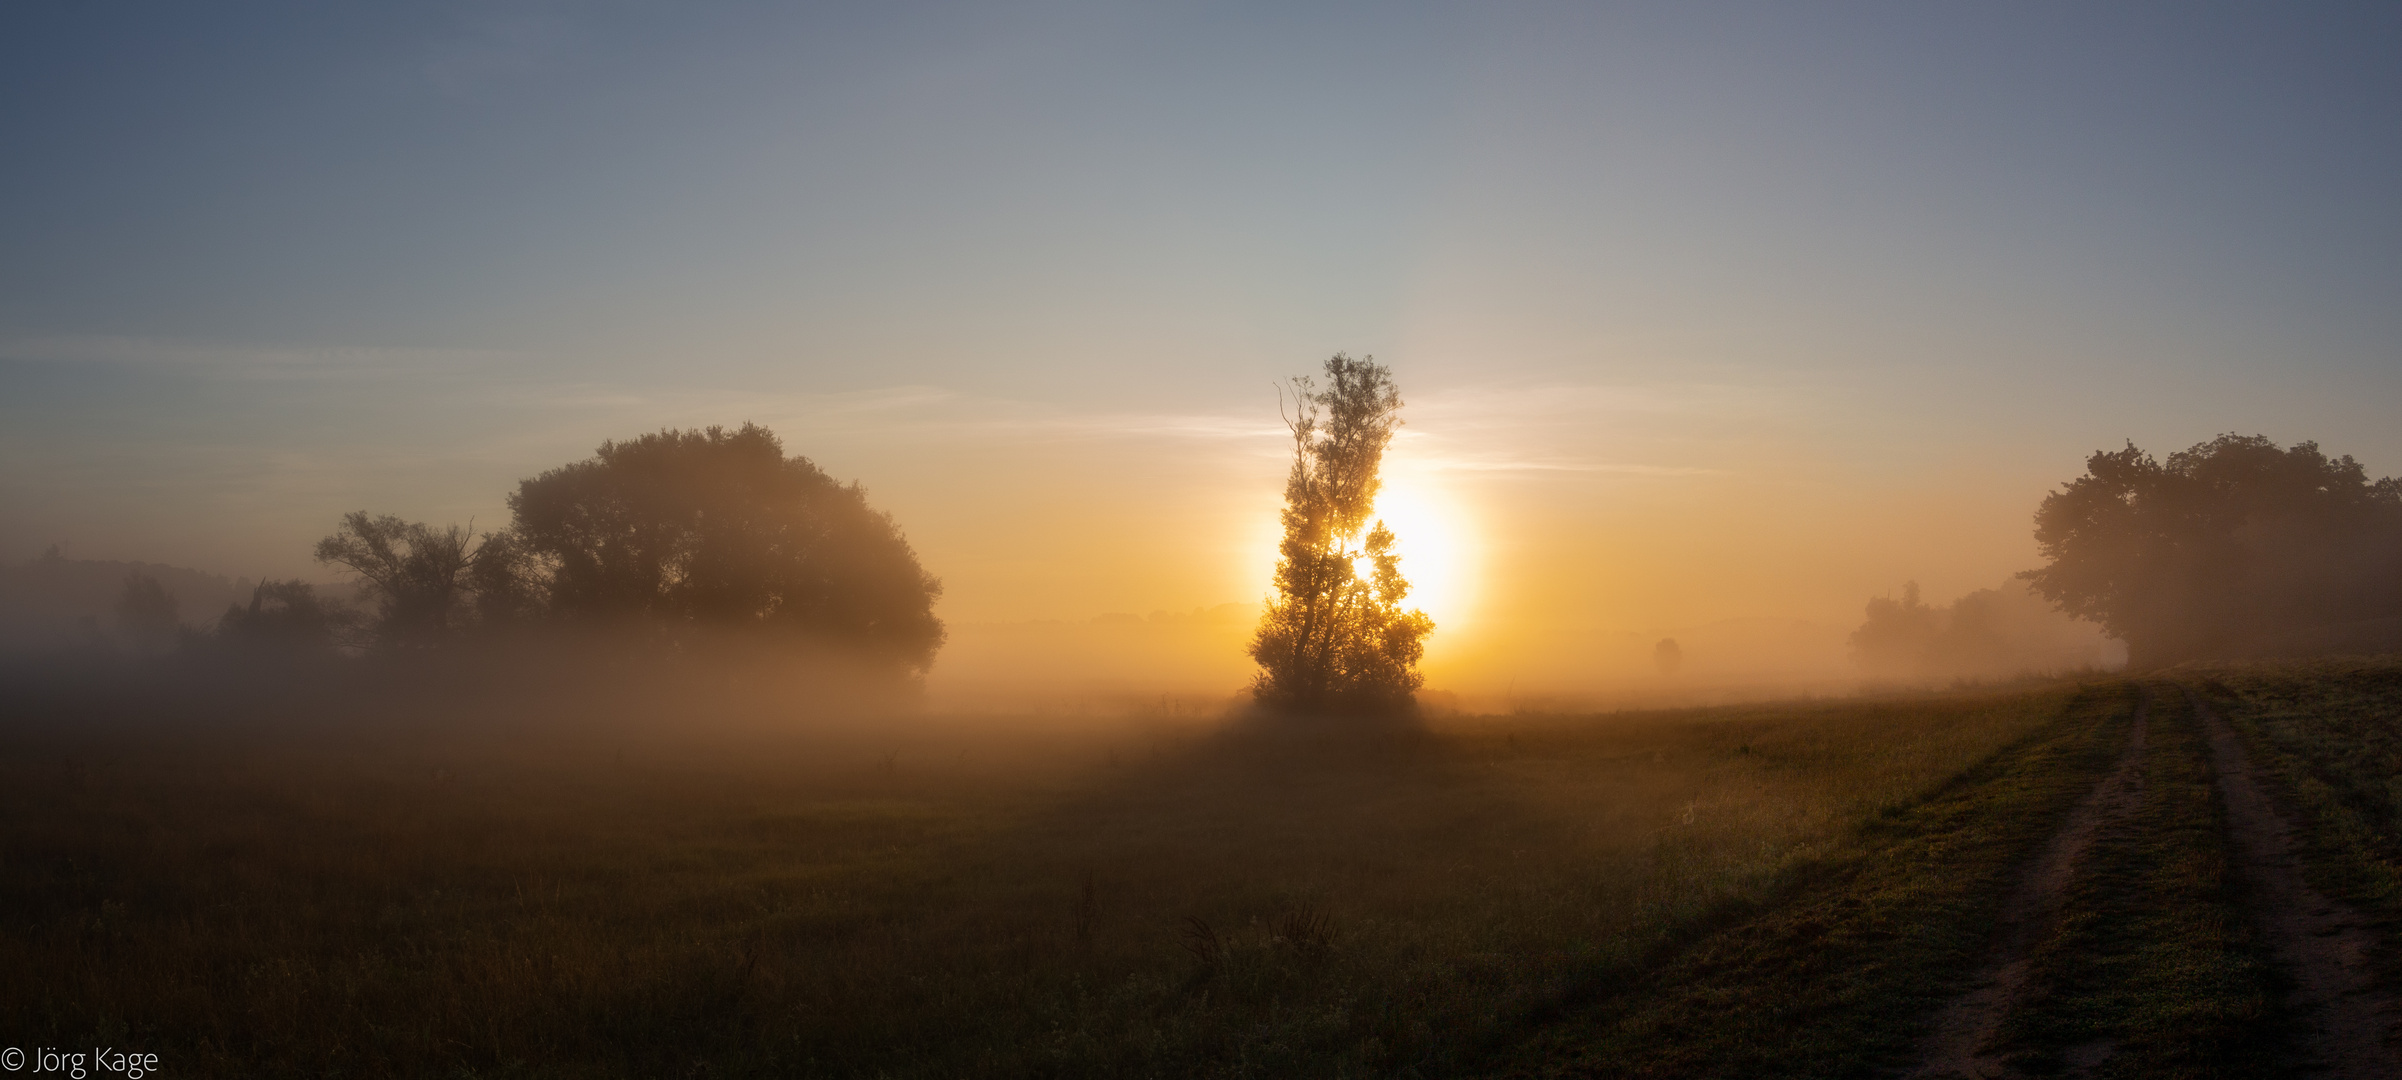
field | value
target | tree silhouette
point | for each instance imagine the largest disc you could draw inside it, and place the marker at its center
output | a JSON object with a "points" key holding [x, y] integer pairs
{"points": [[711, 528], [1897, 634], [1334, 639], [1669, 655], [1986, 633], [283, 616], [2231, 548], [419, 574]]}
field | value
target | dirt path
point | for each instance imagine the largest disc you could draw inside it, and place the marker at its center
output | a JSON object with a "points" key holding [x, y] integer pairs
{"points": [[1964, 1030], [2323, 945]]}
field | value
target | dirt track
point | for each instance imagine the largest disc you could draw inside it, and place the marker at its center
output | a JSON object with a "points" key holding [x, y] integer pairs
{"points": [[2321, 944], [1965, 1029]]}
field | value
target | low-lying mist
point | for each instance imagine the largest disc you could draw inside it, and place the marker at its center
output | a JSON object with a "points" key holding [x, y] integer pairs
{"points": [[1180, 665], [1999, 632]]}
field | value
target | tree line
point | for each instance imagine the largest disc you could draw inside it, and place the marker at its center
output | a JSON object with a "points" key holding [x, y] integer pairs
{"points": [[679, 536], [666, 537], [2234, 548], [2231, 548]]}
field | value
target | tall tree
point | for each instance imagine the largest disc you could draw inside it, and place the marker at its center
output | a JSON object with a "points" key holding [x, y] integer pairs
{"points": [[2233, 547], [1334, 638], [717, 528]]}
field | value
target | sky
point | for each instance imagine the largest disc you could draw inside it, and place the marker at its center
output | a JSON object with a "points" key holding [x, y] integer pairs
{"points": [[1703, 312]]}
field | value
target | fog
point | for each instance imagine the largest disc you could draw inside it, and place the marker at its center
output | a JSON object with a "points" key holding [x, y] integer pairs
{"points": [[1998, 632], [1175, 667]]}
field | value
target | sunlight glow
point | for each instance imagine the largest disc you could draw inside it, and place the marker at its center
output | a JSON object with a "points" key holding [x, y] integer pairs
{"points": [[1433, 529], [1433, 535]]}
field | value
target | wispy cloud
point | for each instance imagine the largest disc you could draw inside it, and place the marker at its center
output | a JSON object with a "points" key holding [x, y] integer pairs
{"points": [[1562, 430], [1199, 427], [1660, 430], [255, 361], [1500, 464], [1587, 402]]}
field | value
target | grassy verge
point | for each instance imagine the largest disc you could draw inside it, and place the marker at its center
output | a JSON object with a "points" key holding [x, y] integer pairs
{"points": [[1839, 975], [2154, 970], [1237, 904]]}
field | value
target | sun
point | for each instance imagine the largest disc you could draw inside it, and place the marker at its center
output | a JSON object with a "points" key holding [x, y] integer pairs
{"points": [[1431, 533]]}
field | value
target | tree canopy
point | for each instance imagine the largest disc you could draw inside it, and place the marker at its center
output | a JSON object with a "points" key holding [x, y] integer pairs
{"points": [[418, 574], [1334, 639], [715, 529], [2233, 547]]}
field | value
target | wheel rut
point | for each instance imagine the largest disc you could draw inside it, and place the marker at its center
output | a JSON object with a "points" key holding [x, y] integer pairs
{"points": [[2322, 944], [1962, 1043]]}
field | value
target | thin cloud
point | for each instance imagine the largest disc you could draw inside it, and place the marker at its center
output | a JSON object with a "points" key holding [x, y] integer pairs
{"points": [[251, 361], [1554, 465], [1521, 405]]}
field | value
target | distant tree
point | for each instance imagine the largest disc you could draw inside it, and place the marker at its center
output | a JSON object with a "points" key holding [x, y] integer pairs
{"points": [[147, 613], [1898, 634], [284, 616], [2233, 547], [1669, 655], [1987, 633], [420, 576], [717, 528], [1332, 638]]}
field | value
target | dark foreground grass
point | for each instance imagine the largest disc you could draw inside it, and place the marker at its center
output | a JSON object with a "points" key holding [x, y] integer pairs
{"points": [[1839, 973], [978, 900], [2155, 971], [2326, 738]]}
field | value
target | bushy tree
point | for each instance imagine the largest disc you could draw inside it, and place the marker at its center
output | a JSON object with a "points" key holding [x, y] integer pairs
{"points": [[420, 576], [716, 529], [1334, 639], [1897, 635], [2233, 547], [1668, 656]]}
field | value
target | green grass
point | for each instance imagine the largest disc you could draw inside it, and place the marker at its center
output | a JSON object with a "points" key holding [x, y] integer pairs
{"points": [[946, 900], [2326, 737], [1841, 974], [2155, 970]]}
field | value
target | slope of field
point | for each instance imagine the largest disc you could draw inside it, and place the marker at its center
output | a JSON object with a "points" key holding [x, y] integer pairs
{"points": [[2221, 903], [1848, 974], [2079, 879]]}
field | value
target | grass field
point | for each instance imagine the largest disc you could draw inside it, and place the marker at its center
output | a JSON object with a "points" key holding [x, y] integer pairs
{"points": [[2331, 735], [1787, 889]]}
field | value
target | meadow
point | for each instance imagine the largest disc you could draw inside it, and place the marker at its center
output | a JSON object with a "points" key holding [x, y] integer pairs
{"points": [[1791, 888]]}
